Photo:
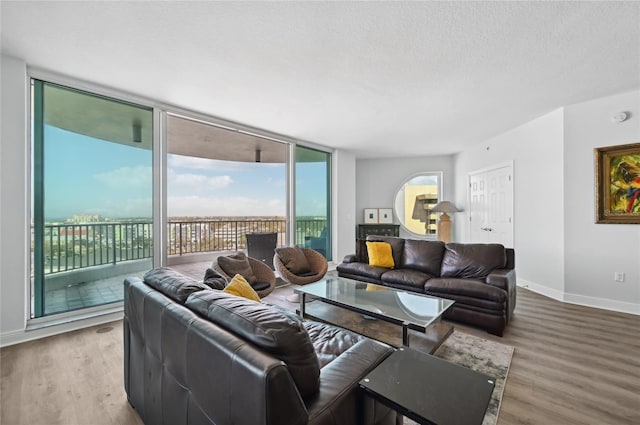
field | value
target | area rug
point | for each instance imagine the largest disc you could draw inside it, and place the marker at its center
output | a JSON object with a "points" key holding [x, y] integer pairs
{"points": [[481, 355]]}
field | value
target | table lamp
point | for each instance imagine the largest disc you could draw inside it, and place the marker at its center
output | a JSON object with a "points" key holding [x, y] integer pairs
{"points": [[444, 224]]}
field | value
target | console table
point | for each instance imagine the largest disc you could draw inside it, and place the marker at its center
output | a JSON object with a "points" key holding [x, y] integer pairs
{"points": [[365, 230]]}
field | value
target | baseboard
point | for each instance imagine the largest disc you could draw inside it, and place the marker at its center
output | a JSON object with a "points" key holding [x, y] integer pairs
{"points": [[602, 303], [17, 337], [541, 289]]}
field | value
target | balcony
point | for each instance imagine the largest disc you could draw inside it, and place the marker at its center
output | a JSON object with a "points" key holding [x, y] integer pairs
{"points": [[85, 264]]}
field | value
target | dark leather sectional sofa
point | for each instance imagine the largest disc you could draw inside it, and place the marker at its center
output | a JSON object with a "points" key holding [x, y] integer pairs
{"points": [[198, 356], [480, 278]]}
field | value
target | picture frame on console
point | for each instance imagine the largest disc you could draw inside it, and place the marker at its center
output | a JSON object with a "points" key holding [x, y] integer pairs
{"points": [[617, 185], [385, 215], [370, 216]]}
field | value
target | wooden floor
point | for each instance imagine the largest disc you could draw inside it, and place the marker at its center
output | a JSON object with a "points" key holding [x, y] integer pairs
{"points": [[572, 365]]}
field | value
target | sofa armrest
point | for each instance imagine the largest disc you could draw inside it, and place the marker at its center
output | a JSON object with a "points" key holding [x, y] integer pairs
{"points": [[350, 258], [339, 393], [502, 278]]}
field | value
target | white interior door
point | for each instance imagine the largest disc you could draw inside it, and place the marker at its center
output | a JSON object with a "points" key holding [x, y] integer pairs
{"points": [[491, 205]]}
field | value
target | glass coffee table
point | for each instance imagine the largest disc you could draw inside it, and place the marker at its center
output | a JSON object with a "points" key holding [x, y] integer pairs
{"points": [[393, 316]]}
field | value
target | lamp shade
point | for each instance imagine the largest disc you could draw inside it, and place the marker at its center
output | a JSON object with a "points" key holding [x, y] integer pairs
{"points": [[445, 207]]}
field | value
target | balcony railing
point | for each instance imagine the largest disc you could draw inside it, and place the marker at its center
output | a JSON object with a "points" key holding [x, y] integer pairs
{"points": [[75, 246]]}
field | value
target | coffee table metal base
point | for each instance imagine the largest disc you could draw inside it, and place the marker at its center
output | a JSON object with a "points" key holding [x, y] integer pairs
{"points": [[390, 333]]}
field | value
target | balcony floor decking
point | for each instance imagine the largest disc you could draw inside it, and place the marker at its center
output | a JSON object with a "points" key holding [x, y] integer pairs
{"points": [[87, 294], [110, 290], [194, 270]]}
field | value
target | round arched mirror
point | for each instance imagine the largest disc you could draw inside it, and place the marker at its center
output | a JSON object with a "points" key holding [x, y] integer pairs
{"points": [[414, 199]]}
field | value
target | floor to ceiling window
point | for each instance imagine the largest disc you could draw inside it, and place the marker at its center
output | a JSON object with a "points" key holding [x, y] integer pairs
{"points": [[222, 184], [93, 203], [313, 199], [92, 197]]}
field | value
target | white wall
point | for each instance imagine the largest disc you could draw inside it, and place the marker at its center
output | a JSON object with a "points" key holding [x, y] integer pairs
{"points": [[593, 252], [377, 181], [560, 251], [13, 197], [536, 151], [344, 204]]}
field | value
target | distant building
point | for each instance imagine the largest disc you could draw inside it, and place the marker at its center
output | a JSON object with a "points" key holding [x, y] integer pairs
{"points": [[85, 218], [74, 231]]}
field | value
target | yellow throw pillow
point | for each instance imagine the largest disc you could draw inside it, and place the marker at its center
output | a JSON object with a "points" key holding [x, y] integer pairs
{"points": [[380, 254], [241, 288]]}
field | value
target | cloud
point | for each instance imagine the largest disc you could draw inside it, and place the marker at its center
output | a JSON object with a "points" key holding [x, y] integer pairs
{"points": [[180, 183], [276, 182], [189, 206], [195, 163], [129, 178], [121, 208], [179, 161]]}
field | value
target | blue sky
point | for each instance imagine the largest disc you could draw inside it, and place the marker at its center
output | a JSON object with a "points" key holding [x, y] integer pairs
{"points": [[84, 175]]}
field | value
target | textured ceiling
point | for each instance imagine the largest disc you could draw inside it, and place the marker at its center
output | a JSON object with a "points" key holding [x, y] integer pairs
{"points": [[378, 78]]}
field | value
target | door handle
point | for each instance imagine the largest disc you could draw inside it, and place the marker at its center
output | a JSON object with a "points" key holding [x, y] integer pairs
{"points": [[487, 229]]}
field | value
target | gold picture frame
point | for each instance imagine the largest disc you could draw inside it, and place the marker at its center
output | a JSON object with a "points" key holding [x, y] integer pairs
{"points": [[618, 184]]}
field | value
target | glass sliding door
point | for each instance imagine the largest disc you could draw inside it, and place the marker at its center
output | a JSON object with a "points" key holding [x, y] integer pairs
{"points": [[92, 197], [222, 185], [313, 199]]}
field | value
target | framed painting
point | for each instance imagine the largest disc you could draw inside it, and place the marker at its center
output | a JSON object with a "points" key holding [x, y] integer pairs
{"points": [[371, 216], [618, 184]]}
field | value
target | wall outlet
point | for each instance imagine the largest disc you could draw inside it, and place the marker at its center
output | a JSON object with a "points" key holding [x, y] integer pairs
{"points": [[618, 276]]}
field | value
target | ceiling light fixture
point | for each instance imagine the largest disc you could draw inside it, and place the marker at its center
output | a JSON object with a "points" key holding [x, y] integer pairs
{"points": [[137, 132]]}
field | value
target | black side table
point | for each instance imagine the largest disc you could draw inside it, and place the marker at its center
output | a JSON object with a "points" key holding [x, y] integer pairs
{"points": [[430, 390]]}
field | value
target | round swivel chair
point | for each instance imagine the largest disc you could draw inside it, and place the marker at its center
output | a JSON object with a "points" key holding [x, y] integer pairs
{"points": [[265, 279], [297, 270]]}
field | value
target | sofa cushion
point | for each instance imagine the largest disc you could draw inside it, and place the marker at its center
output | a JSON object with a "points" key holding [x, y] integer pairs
{"points": [[237, 264], [397, 245], [329, 341], [174, 285], [361, 251], [214, 280], [467, 288], [423, 255], [380, 254], [362, 269], [472, 261], [241, 288], [406, 277], [266, 327], [294, 260]]}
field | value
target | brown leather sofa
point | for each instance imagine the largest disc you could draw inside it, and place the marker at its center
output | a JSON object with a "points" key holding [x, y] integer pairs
{"points": [[480, 278], [194, 355]]}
